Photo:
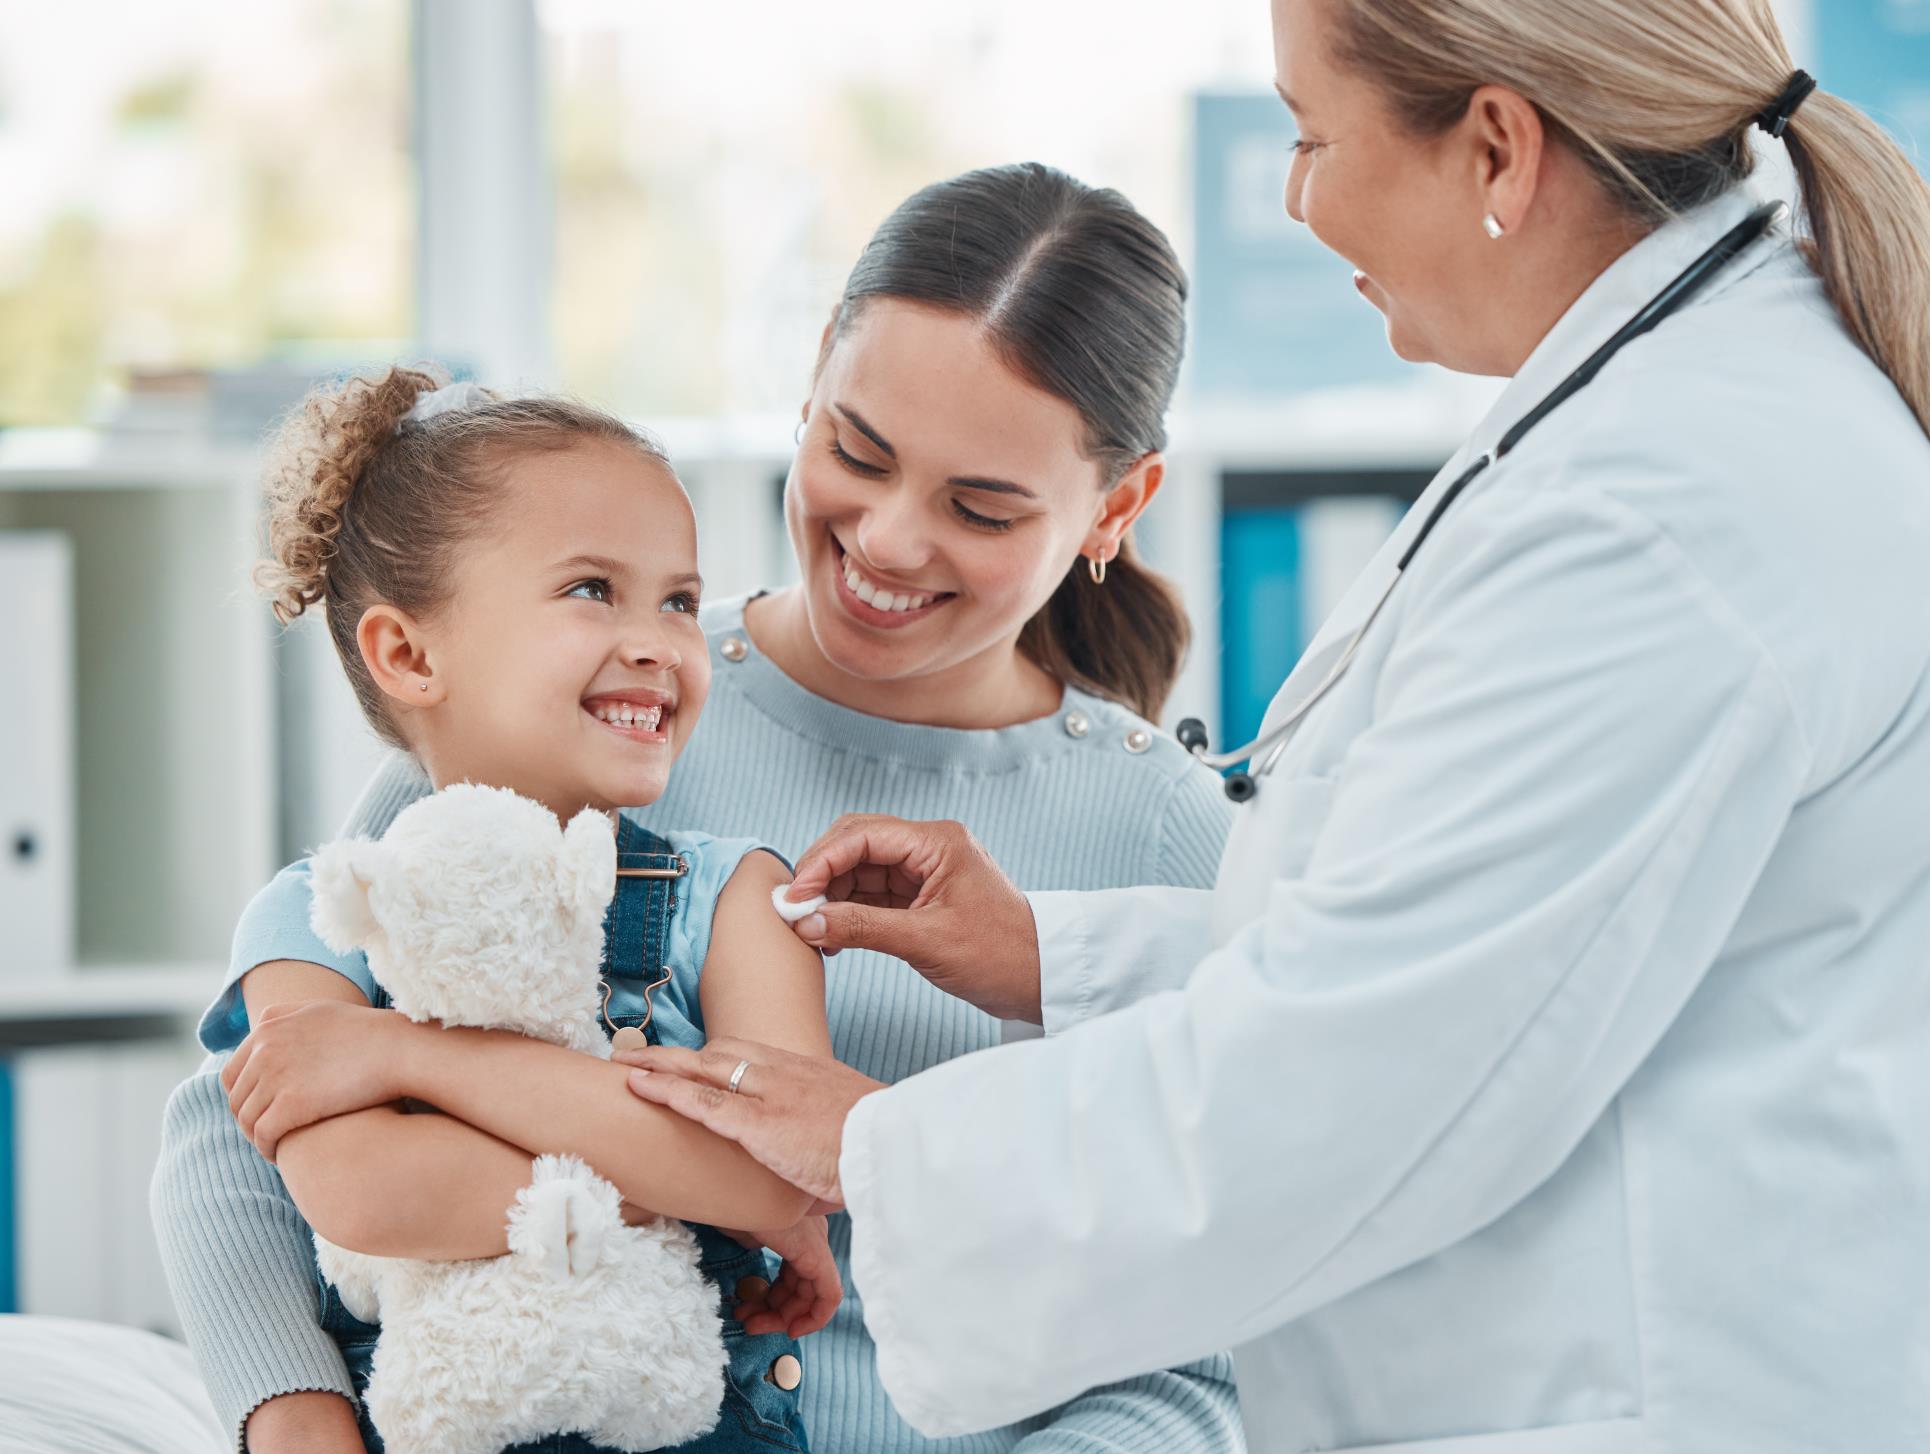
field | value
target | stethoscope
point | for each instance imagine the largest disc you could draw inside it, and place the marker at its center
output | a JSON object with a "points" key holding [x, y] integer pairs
{"points": [[1241, 786]]}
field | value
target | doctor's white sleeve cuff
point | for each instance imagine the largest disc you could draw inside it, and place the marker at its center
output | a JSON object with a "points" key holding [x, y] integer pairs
{"points": [[1065, 974], [877, 1273], [1102, 950]]}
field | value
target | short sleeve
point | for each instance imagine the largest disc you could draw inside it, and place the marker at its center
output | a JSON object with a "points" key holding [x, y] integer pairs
{"points": [[712, 862], [274, 926]]}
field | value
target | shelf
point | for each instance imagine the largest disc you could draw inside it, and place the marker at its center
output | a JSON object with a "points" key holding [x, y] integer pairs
{"points": [[112, 992], [87, 459]]}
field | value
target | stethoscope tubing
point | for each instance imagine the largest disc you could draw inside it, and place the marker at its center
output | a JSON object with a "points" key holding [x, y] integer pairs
{"points": [[1692, 280]]}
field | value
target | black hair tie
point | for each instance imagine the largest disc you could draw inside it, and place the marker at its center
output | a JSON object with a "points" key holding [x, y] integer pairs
{"points": [[1774, 118]]}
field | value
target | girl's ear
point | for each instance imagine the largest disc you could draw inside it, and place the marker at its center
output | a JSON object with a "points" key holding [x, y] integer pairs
{"points": [[395, 650], [587, 872], [341, 875]]}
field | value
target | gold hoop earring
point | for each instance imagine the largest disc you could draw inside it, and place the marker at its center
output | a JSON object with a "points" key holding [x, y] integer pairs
{"points": [[1096, 568]]}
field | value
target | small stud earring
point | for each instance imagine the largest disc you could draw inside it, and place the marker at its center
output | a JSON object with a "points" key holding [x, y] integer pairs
{"points": [[422, 686], [1492, 226]]}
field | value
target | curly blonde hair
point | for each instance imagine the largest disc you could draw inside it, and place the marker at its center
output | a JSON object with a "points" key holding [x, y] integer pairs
{"points": [[364, 506]]}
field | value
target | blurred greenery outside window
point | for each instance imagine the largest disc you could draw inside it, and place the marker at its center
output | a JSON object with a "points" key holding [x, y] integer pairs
{"points": [[718, 168], [196, 186]]}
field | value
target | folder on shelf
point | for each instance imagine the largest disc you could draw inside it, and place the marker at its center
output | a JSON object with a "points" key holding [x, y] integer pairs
{"points": [[36, 753]]}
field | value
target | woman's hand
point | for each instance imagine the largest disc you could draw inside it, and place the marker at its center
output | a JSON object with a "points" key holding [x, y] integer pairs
{"points": [[929, 894], [788, 1110], [808, 1288], [304, 1063]]}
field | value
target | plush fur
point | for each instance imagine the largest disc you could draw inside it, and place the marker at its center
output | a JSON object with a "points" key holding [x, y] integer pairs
{"points": [[475, 909]]}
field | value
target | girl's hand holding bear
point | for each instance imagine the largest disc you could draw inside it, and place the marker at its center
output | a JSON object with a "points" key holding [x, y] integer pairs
{"points": [[306, 1062]]}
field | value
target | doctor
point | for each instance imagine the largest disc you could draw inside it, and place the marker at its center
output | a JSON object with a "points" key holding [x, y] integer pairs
{"points": [[1556, 1076]]}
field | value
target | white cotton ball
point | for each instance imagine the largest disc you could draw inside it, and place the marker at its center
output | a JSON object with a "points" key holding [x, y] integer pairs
{"points": [[789, 912]]}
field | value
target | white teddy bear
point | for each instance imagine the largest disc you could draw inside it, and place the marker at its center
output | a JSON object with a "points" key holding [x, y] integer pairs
{"points": [[477, 909]]}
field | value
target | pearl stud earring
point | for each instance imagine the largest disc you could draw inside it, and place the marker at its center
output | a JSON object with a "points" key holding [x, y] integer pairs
{"points": [[1492, 226]]}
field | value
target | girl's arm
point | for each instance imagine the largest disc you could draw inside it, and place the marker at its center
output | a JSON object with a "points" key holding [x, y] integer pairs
{"points": [[758, 978], [377, 1180]]}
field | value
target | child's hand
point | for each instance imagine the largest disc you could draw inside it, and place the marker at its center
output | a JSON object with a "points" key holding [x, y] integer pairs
{"points": [[808, 1288], [304, 1063]]}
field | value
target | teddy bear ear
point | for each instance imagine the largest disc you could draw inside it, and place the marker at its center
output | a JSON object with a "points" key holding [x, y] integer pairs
{"points": [[587, 872], [341, 875]]}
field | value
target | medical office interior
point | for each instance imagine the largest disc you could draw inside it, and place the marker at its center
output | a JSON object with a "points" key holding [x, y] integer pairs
{"points": [[208, 206]]}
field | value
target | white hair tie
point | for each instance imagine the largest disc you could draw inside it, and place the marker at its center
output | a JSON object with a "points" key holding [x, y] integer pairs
{"points": [[463, 394]]}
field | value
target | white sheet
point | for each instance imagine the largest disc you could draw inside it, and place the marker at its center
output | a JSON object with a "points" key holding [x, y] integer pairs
{"points": [[73, 1387]]}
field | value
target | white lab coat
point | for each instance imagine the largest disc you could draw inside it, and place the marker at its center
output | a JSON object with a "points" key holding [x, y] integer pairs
{"points": [[1556, 1079]]}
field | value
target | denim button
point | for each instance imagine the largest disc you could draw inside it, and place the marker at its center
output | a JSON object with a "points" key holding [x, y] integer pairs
{"points": [[787, 1373]]}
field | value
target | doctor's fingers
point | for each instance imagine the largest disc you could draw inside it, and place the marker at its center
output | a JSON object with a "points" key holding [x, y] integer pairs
{"points": [[872, 842]]}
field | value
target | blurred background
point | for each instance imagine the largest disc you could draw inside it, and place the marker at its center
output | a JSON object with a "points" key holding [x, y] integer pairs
{"points": [[209, 205]]}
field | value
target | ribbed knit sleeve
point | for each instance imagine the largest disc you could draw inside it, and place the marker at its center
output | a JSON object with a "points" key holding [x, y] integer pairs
{"points": [[239, 1259], [1192, 832], [397, 783], [1194, 1409]]}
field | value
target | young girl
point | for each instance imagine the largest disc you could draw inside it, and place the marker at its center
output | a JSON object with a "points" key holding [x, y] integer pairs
{"points": [[511, 587]]}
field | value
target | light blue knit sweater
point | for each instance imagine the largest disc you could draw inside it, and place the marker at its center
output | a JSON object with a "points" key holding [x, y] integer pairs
{"points": [[1073, 801]]}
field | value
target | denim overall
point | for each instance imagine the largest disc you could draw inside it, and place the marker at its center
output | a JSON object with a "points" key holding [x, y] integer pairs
{"points": [[757, 1415]]}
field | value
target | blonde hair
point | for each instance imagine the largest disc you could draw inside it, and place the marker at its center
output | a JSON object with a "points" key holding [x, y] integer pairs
{"points": [[366, 507], [1658, 96]]}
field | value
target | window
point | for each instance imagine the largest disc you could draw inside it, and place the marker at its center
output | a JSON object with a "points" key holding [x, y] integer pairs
{"points": [[197, 185], [719, 167]]}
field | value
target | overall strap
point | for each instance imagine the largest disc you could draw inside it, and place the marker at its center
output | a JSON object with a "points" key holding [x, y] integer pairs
{"points": [[636, 928]]}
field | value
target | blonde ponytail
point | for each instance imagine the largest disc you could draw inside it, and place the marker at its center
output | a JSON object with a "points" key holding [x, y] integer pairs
{"points": [[1866, 219], [1658, 97]]}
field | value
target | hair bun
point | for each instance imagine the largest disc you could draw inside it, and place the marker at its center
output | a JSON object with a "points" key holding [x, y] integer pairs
{"points": [[320, 452]]}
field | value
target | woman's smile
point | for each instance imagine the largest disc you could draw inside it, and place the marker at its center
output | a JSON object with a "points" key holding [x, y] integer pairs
{"points": [[876, 602]]}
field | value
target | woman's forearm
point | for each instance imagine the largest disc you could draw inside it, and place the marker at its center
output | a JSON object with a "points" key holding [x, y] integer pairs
{"points": [[396, 1185], [556, 1101]]}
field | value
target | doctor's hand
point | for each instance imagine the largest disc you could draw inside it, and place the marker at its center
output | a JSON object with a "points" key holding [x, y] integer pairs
{"points": [[788, 1110], [929, 894]]}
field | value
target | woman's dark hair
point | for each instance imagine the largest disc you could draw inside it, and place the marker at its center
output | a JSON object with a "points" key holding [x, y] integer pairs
{"points": [[1085, 299]]}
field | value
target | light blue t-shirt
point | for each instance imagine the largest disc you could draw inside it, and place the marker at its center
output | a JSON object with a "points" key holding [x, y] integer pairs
{"points": [[275, 926]]}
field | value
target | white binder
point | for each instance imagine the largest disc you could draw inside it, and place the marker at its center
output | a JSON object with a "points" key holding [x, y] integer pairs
{"points": [[36, 754]]}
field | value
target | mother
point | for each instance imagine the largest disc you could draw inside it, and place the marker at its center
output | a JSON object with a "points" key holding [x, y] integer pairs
{"points": [[972, 637], [1560, 1024]]}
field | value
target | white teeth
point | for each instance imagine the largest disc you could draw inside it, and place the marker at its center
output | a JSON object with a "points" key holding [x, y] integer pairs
{"points": [[626, 714], [877, 599]]}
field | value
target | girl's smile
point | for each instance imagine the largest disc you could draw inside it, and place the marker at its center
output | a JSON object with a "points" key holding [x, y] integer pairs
{"points": [[637, 715]]}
